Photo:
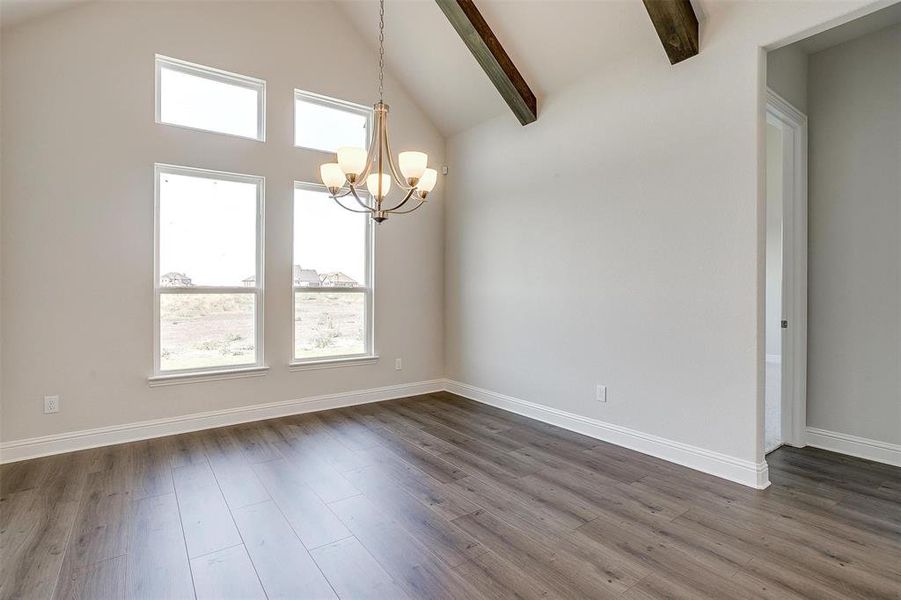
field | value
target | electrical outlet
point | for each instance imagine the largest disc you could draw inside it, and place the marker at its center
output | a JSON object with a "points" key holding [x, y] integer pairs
{"points": [[51, 404], [398, 364], [601, 393]]}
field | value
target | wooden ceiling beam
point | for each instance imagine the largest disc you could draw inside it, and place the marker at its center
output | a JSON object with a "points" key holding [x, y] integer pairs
{"points": [[487, 50], [677, 27]]}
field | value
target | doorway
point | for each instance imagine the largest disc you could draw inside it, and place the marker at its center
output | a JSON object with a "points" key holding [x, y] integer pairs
{"points": [[786, 275]]}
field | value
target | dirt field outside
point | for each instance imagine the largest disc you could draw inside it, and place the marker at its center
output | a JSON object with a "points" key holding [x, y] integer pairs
{"points": [[217, 330]]}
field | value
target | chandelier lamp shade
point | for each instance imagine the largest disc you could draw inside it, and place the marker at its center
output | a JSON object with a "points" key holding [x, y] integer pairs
{"points": [[358, 170]]}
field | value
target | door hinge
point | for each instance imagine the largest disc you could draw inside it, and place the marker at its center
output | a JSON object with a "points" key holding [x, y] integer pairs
{"points": [[784, 324]]}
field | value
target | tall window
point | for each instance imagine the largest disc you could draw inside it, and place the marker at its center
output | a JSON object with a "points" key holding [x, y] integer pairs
{"points": [[208, 290], [332, 278], [204, 98], [322, 123]]}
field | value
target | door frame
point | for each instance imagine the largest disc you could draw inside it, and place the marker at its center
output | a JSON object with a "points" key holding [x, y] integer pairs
{"points": [[793, 123]]}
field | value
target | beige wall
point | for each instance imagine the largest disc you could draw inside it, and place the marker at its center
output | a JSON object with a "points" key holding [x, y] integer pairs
{"points": [[649, 280], [79, 143], [854, 347], [786, 74], [620, 239]]}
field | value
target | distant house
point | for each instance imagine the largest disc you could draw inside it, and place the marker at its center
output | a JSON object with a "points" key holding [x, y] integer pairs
{"points": [[250, 281], [306, 277], [173, 279], [337, 279]]}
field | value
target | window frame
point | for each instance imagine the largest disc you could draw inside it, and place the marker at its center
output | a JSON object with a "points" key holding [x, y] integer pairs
{"points": [[213, 74], [329, 102], [160, 169], [369, 354]]}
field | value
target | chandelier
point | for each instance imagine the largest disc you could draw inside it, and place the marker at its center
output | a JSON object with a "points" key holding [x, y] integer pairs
{"points": [[375, 168]]}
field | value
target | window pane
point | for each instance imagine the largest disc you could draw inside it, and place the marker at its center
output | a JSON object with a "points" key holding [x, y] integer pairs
{"points": [[329, 324], [327, 128], [329, 242], [206, 330], [211, 103], [207, 231]]}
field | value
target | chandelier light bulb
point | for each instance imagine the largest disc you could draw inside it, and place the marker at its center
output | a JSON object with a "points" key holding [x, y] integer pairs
{"points": [[427, 182], [332, 176], [352, 161], [412, 165], [372, 183]]}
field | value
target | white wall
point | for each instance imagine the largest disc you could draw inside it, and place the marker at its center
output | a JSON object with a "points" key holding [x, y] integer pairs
{"points": [[854, 348], [79, 144], [620, 239], [773, 241]]}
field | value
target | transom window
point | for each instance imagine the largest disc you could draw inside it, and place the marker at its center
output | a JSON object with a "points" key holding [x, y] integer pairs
{"points": [[209, 99], [208, 271], [332, 278], [326, 124]]}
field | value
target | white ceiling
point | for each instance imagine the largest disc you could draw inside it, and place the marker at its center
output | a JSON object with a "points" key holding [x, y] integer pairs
{"points": [[552, 42]]}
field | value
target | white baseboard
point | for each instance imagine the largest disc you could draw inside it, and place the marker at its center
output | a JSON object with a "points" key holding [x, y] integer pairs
{"points": [[117, 434], [714, 463], [853, 445], [734, 469]]}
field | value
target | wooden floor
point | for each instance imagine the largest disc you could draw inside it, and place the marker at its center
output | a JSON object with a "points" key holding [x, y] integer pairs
{"points": [[437, 497]]}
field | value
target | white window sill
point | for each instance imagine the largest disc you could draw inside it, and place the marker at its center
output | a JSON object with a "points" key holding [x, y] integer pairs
{"points": [[197, 377], [332, 363]]}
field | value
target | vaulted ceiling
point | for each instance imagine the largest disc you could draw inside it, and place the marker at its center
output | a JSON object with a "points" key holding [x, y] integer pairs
{"points": [[553, 43]]}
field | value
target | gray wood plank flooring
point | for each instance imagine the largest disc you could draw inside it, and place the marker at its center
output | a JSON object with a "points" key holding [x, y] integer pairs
{"points": [[437, 497]]}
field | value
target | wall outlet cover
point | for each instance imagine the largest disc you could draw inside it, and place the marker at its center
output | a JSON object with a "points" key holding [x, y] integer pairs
{"points": [[51, 404], [601, 393]]}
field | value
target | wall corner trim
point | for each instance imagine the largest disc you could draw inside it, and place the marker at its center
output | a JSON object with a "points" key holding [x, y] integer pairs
{"points": [[17, 450], [745, 472], [852, 445]]}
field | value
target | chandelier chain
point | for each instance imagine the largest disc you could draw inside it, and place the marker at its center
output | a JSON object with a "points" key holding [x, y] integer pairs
{"points": [[381, 50]]}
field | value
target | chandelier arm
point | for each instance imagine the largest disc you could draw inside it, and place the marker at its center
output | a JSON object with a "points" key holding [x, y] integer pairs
{"points": [[370, 157], [394, 172], [409, 210], [360, 202], [398, 177], [353, 210], [402, 202], [370, 160], [361, 177], [340, 194]]}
